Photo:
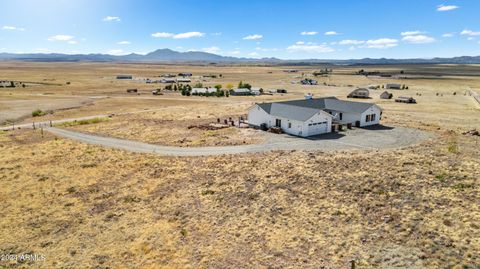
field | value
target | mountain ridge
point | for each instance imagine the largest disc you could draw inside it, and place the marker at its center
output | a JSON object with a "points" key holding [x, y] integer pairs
{"points": [[168, 55]]}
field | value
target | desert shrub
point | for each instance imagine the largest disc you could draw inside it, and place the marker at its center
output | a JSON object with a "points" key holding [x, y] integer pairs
{"points": [[453, 147], [38, 113], [83, 122]]}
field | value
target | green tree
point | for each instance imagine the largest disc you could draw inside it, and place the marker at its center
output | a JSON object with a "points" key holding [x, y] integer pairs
{"points": [[198, 85], [229, 86], [218, 87]]}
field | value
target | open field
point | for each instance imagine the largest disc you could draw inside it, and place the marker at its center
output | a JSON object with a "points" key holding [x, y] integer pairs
{"points": [[97, 207]]}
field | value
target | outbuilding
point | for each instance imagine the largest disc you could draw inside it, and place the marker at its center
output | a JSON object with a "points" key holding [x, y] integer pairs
{"points": [[393, 86], [240, 91], [359, 93], [386, 95], [124, 77], [313, 116]]}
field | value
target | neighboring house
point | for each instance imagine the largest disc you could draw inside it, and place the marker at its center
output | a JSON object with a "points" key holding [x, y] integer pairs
{"points": [[203, 90], [132, 90], [386, 95], [240, 91], [313, 116], [359, 93], [308, 81], [168, 80], [184, 74], [124, 77], [408, 100], [5, 83], [393, 86], [256, 91], [184, 80], [281, 91]]}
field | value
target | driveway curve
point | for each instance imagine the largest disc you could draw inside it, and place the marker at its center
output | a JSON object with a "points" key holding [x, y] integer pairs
{"points": [[379, 137]]}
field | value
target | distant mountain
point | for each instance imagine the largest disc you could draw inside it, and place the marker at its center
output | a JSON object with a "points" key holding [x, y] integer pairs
{"points": [[168, 55]]}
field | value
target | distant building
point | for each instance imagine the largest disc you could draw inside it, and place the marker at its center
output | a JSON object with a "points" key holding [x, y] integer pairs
{"points": [[132, 90], [408, 100], [256, 91], [359, 93], [184, 74], [281, 91], [313, 116], [183, 80], [124, 77], [308, 81], [240, 92], [393, 86], [168, 80], [203, 90], [386, 95]]}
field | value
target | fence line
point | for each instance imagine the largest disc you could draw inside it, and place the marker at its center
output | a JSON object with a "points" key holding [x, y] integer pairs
{"points": [[475, 96]]}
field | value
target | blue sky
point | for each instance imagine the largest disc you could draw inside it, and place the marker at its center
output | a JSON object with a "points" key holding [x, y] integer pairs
{"points": [[285, 29]]}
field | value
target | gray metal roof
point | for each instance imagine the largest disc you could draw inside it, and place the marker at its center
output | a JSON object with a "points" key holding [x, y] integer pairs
{"points": [[289, 111], [305, 109]]}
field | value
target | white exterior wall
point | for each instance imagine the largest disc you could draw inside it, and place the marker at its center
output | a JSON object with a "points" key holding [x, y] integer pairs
{"points": [[372, 110], [257, 116]]}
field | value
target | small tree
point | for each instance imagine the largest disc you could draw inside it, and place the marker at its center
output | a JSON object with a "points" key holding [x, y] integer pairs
{"points": [[229, 86], [175, 87], [218, 87], [198, 85]]}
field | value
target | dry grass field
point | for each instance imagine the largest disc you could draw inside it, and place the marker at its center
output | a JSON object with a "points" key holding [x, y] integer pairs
{"points": [[92, 207]]}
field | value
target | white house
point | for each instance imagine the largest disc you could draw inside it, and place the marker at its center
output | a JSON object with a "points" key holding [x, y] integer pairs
{"points": [[203, 90], [313, 116], [256, 90]]}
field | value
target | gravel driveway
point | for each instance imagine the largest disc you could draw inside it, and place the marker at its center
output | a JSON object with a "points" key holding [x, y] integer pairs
{"points": [[379, 137]]}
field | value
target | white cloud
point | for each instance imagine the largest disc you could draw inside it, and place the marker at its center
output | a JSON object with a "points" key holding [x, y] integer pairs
{"points": [[469, 33], [446, 8], [111, 18], [448, 35], [72, 42], [407, 33], [162, 35], [381, 43], [311, 48], [300, 43], [217, 34], [331, 33], [418, 39], [177, 36], [253, 54], [116, 52], [351, 42], [253, 37], [213, 50], [188, 35], [266, 49], [309, 33], [124, 43], [235, 52], [471, 38], [61, 38], [8, 27]]}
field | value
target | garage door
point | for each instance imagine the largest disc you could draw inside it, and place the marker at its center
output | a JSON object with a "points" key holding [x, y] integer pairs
{"points": [[317, 128]]}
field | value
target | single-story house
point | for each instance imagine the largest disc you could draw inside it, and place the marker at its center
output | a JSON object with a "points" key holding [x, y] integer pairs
{"points": [[240, 91], [393, 86], [256, 90], [124, 77], [386, 95], [6, 83], [313, 116], [359, 93], [183, 80], [203, 90], [168, 80]]}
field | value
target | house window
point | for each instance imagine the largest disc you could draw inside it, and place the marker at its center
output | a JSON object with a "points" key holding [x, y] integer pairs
{"points": [[278, 123], [373, 117], [368, 118], [289, 125], [341, 116]]}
